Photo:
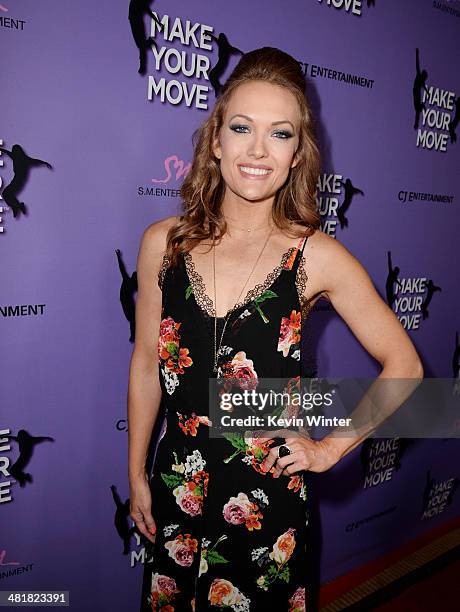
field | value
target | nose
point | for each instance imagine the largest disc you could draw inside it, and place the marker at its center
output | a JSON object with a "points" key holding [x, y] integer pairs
{"points": [[257, 147]]}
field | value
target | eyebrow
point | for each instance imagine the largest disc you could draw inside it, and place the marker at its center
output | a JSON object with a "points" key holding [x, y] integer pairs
{"points": [[273, 123]]}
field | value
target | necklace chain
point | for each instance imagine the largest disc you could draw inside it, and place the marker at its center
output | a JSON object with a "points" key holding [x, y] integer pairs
{"points": [[217, 348], [247, 229]]}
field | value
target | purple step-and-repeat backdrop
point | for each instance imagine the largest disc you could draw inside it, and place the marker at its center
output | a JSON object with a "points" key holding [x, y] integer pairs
{"points": [[95, 138]]}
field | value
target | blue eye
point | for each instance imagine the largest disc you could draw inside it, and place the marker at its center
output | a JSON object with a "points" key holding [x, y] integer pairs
{"points": [[237, 127], [284, 133]]}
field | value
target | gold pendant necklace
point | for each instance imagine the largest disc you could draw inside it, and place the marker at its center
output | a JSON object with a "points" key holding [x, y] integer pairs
{"points": [[247, 229], [217, 348]]}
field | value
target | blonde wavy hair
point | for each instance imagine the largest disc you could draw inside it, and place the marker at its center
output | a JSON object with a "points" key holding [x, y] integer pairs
{"points": [[203, 188]]}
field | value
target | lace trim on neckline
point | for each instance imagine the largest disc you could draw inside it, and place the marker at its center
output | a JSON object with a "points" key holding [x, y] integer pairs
{"points": [[301, 284], [162, 271], [205, 302]]}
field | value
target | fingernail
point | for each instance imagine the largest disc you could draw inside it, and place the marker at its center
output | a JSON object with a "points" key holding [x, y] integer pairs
{"points": [[152, 530]]}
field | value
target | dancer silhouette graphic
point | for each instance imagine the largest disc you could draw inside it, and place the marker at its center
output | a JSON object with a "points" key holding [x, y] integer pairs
{"points": [[22, 164], [225, 50], [121, 520], [419, 84], [349, 190], [26, 444], [127, 290], [431, 288], [136, 12], [392, 278]]}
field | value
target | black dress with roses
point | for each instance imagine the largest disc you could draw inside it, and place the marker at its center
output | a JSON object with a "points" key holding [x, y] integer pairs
{"points": [[229, 536]]}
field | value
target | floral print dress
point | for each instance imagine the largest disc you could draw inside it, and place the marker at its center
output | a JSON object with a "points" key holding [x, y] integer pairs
{"points": [[229, 536]]}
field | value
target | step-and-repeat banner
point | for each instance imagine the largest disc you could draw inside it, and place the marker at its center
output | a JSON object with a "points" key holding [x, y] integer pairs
{"points": [[99, 101]]}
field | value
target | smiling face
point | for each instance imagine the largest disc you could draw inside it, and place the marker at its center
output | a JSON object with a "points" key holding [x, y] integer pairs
{"points": [[258, 140]]}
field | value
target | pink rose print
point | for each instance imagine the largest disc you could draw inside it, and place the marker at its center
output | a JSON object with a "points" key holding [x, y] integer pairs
{"points": [[182, 548], [237, 509], [188, 502], [241, 510], [297, 601], [163, 592], [241, 369]]}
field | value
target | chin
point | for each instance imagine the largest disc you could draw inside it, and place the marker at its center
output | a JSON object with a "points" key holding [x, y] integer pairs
{"points": [[254, 197]]}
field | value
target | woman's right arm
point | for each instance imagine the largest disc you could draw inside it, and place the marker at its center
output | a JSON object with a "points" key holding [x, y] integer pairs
{"points": [[144, 390]]}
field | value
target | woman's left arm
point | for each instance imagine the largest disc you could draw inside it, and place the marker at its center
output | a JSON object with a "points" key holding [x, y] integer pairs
{"points": [[352, 293]]}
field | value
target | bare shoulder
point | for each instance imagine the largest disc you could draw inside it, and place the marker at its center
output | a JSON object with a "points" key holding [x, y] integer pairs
{"points": [[327, 252], [153, 246], [329, 263], [154, 236], [149, 297]]}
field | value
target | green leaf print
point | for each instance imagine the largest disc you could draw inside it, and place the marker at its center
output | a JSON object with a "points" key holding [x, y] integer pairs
{"points": [[272, 570], [172, 480], [162, 600], [213, 557], [266, 295], [238, 442], [172, 348], [259, 454], [284, 575], [188, 291]]}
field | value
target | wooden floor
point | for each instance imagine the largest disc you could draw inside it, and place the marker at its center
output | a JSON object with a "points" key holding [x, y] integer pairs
{"points": [[441, 591], [421, 576]]}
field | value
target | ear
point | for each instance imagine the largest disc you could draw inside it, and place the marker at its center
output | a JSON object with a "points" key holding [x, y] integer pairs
{"points": [[295, 160], [216, 148]]}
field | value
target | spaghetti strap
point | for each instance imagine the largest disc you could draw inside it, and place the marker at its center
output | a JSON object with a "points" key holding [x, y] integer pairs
{"points": [[296, 257], [305, 238], [302, 242]]}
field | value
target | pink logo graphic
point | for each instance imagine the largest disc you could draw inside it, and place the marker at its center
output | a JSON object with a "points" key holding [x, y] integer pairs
{"points": [[179, 166], [3, 8], [2, 557]]}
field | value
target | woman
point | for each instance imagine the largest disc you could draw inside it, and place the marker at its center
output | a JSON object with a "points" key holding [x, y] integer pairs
{"points": [[228, 516]]}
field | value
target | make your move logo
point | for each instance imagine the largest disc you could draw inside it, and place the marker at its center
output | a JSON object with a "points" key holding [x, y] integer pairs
{"points": [[193, 65], [380, 458], [334, 196], [5, 474], [352, 7], [437, 112], [437, 495], [408, 297], [26, 443]]}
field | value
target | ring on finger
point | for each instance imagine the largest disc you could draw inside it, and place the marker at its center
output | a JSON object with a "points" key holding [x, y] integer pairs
{"points": [[283, 451]]}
